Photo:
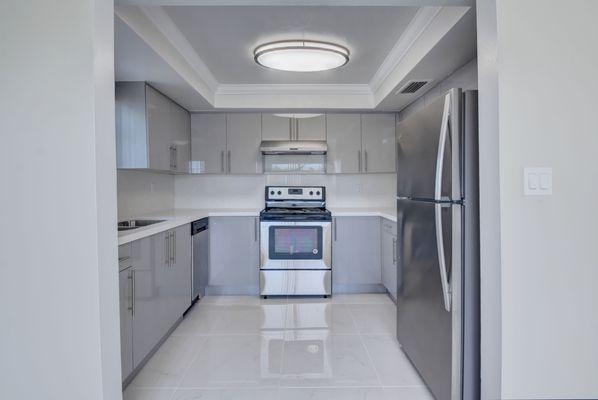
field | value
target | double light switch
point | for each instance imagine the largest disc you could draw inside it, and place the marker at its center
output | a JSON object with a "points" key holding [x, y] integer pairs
{"points": [[537, 181]]}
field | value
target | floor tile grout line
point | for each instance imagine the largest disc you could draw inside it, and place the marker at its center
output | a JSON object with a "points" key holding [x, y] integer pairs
{"points": [[366, 350]]}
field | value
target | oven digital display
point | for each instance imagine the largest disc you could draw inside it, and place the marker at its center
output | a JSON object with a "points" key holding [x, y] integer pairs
{"points": [[295, 191], [295, 242]]}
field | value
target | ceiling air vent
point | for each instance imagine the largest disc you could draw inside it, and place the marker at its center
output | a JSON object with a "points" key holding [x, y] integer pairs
{"points": [[413, 86]]}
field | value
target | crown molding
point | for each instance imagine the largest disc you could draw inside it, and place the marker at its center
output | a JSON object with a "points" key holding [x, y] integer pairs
{"points": [[306, 96], [139, 19], [323, 3], [164, 23], [419, 23]]}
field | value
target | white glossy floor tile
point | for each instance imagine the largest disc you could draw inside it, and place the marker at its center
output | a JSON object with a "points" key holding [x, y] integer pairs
{"points": [[247, 348], [268, 393], [132, 393], [319, 359], [236, 360], [335, 318], [168, 365], [393, 366], [374, 393], [374, 318], [365, 298]]}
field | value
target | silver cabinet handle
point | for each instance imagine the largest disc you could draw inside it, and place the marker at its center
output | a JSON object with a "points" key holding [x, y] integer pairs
{"points": [[359, 159], [166, 250], [228, 161], [290, 128], [174, 247], [134, 289], [394, 251], [365, 163], [296, 129], [130, 278], [222, 161], [176, 155]]}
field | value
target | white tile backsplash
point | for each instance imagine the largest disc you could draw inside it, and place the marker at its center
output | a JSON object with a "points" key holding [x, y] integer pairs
{"points": [[247, 191]]}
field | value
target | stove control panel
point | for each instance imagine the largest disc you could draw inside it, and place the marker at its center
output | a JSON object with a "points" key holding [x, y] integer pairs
{"points": [[281, 193]]}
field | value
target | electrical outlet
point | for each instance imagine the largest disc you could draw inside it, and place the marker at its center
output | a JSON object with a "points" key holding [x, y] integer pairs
{"points": [[359, 187]]}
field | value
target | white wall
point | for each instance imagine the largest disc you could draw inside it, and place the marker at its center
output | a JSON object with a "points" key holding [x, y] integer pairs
{"points": [[465, 77], [143, 192], [547, 86], [247, 191], [58, 268]]}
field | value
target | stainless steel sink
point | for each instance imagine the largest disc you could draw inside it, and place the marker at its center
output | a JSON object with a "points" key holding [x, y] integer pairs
{"points": [[136, 223]]}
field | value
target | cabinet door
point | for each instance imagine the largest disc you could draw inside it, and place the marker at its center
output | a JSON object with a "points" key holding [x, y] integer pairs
{"points": [[312, 128], [180, 272], [125, 283], [356, 263], [243, 136], [234, 255], [275, 128], [344, 143], [181, 121], [147, 311], [159, 129], [389, 257], [208, 143], [378, 142]]}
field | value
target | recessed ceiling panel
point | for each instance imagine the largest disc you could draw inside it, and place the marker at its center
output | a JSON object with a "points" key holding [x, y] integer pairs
{"points": [[225, 38]]}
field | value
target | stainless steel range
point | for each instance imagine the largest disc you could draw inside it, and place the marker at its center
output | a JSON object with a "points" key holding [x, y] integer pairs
{"points": [[295, 242]]}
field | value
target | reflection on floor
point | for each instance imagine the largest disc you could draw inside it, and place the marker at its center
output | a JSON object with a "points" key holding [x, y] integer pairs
{"points": [[246, 348]]}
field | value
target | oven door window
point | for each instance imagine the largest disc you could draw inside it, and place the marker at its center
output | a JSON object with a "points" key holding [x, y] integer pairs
{"points": [[295, 242]]}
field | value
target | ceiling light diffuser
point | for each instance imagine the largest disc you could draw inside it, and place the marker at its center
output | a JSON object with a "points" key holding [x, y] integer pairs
{"points": [[297, 115], [301, 55]]}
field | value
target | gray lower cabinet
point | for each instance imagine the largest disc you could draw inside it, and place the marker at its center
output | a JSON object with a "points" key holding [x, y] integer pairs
{"points": [[234, 255], [125, 283], [389, 256], [356, 266], [155, 291]]}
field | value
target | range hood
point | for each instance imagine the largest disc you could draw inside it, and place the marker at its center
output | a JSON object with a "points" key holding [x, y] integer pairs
{"points": [[294, 147]]}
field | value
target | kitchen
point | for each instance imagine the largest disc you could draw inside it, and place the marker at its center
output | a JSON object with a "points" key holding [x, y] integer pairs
{"points": [[276, 229], [274, 199]]}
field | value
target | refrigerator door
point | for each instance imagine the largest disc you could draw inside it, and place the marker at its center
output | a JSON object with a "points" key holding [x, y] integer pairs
{"points": [[428, 319], [428, 151]]}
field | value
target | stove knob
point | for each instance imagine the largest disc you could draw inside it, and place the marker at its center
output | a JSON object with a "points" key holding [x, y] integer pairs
{"points": [[318, 192], [279, 192], [311, 193], [271, 191]]}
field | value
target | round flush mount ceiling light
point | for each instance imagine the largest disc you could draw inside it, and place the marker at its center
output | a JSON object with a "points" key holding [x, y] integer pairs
{"points": [[301, 55]]}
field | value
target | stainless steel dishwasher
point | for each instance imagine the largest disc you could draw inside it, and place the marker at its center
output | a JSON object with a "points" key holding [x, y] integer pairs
{"points": [[201, 258]]}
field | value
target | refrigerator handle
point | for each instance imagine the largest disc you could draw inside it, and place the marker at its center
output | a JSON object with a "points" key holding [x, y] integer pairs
{"points": [[446, 291], [444, 130]]}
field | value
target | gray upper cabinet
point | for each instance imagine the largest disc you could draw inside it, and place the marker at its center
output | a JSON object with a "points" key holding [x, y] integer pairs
{"points": [[234, 255], [389, 256], [313, 128], [226, 143], [356, 255], [284, 128], [243, 136], [208, 143], [344, 143], [152, 131], [275, 128], [378, 142]]}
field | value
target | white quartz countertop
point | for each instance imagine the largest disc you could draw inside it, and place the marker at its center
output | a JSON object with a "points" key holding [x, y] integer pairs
{"points": [[387, 213], [178, 217]]}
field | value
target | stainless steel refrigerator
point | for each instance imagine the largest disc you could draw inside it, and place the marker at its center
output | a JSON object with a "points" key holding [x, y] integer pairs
{"points": [[438, 244]]}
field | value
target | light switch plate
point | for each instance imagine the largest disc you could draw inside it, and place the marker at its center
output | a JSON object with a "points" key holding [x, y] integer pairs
{"points": [[537, 181]]}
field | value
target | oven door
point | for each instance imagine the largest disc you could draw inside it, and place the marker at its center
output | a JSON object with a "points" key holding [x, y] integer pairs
{"points": [[295, 245]]}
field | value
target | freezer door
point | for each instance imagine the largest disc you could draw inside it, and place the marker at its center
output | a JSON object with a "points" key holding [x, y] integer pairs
{"points": [[428, 151], [426, 327]]}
